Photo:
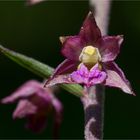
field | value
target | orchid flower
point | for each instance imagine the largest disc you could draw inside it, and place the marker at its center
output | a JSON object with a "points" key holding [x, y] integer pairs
{"points": [[35, 104], [90, 59]]}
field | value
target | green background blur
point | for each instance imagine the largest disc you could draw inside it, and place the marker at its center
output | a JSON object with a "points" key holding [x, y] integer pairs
{"points": [[35, 30]]}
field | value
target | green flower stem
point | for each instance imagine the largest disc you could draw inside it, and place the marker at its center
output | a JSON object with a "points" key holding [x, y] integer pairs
{"points": [[39, 69]]}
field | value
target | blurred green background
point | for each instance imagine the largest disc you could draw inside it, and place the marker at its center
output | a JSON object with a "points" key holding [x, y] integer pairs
{"points": [[35, 30]]}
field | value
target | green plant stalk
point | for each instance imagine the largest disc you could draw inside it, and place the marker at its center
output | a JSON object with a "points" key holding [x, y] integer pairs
{"points": [[39, 69]]}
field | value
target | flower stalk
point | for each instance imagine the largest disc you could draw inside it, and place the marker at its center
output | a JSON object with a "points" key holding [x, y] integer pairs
{"points": [[94, 112], [94, 102]]}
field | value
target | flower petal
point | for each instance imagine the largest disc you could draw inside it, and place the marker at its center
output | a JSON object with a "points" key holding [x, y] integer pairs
{"points": [[83, 70], [72, 47], [36, 123], [26, 90], [32, 2], [81, 75], [79, 79], [24, 108], [98, 79], [58, 110], [67, 66], [109, 47], [96, 75], [90, 32], [116, 78], [94, 71], [59, 79]]}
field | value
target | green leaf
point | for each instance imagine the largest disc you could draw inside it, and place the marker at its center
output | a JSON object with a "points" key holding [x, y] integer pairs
{"points": [[29, 63], [39, 69]]}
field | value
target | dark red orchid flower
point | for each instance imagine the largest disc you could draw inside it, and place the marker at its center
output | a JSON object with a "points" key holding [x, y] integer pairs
{"points": [[35, 104], [90, 59]]}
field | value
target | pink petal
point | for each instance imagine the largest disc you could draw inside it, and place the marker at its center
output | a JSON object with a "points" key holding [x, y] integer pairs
{"points": [[77, 78], [116, 78], [81, 75], [96, 75], [58, 116], [59, 79], [109, 47], [26, 90], [83, 70], [24, 108], [32, 2], [67, 66], [72, 47], [98, 79], [90, 32], [94, 71]]}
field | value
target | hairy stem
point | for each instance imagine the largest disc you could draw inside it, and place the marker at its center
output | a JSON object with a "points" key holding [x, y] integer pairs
{"points": [[94, 112], [94, 101]]}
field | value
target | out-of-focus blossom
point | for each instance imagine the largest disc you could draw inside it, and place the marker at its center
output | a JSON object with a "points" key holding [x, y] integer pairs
{"points": [[90, 59], [32, 2], [35, 104]]}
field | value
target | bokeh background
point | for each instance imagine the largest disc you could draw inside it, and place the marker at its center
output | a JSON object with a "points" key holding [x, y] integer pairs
{"points": [[35, 30]]}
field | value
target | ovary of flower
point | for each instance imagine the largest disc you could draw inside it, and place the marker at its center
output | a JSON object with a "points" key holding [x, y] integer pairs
{"points": [[90, 55]]}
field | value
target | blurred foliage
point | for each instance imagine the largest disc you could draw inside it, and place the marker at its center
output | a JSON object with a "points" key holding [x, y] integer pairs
{"points": [[35, 30]]}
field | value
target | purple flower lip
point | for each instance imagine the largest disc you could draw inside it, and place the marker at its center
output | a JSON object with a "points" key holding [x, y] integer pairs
{"points": [[88, 77], [90, 47], [35, 104]]}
